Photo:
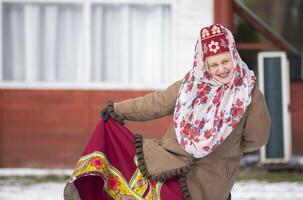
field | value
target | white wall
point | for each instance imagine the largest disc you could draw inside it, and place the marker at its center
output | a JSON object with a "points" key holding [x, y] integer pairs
{"points": [[190, 17]]}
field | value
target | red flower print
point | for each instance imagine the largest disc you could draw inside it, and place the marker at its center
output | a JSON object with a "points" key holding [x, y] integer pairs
{"points": [[219, 123], [186, 76], [206, 148], [214, 147], [190, 117], [192, 137], [239, 103], [218, 90], [238, 81], [189, 87], [207, 134], [200, 86], [201, 123], [216, 99], [203, 91], [237, 111], [186, 129], [204, 99], [178, 106], [183, 143], [238, 69], [209, 107], [185, 132], [113, 182], [234, 124], [187, 126], [207, 88], [193, 102], [195, 62], [203, 85], [96, 162], [194, 132], [182, 123], [207, 75]]}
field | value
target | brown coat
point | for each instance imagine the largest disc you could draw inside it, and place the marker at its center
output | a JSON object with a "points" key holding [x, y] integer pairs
{"points": [[213, 176]]}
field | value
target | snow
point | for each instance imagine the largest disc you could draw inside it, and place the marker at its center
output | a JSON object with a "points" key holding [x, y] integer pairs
{"points": [[41, 191], [33, 172], [13, 188], [265, 191]]}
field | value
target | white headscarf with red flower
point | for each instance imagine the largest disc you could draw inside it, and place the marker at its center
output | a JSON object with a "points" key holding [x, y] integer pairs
{"points": [[207, 111]]}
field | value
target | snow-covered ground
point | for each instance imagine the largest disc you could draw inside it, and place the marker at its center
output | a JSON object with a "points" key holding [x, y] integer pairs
{"points": [[7, 172], [40, 191], [265, 191], [17, 189]]}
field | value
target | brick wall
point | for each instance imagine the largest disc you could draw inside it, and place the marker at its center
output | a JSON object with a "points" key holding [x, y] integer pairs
{"points": [[42, 128]]}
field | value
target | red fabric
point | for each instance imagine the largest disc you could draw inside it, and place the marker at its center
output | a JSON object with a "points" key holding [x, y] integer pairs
{"points": [[117, 143]]}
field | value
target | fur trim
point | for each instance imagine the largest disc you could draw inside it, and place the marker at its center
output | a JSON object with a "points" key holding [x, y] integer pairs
{"points": [[111, 112], [178, 172]]}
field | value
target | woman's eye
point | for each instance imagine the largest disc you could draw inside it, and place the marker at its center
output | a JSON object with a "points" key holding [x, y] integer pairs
{"points": [[225, 62], [213, 66]]}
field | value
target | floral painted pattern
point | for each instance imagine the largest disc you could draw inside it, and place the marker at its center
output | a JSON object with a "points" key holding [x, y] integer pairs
{"points": [[138, 188], [213, 46], [206, 111], [205, 33], [215, 29]]}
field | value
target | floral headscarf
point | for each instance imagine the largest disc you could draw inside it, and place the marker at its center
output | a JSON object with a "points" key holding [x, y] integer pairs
{"points": [[207, 111]]}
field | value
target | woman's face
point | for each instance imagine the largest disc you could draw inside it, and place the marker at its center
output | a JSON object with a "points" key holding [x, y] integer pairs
{"points": [[221, 67]]}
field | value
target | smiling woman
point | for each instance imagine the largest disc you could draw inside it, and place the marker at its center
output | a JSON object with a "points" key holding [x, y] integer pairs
{"points": [[221, 67], [218, 113]]}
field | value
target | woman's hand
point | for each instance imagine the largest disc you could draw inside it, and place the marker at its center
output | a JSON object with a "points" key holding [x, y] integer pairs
{"points": [[109, 111]]}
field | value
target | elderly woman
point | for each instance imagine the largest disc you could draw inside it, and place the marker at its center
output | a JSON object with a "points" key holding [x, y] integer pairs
{"points": [[218, 113]]}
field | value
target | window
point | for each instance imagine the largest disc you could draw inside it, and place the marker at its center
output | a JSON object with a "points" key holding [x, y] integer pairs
{"points": [[42, 42], [86, 42], [131, 42]]}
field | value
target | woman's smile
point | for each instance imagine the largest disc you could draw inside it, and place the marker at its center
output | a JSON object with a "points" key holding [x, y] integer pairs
{"points": [[220, 67]]}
